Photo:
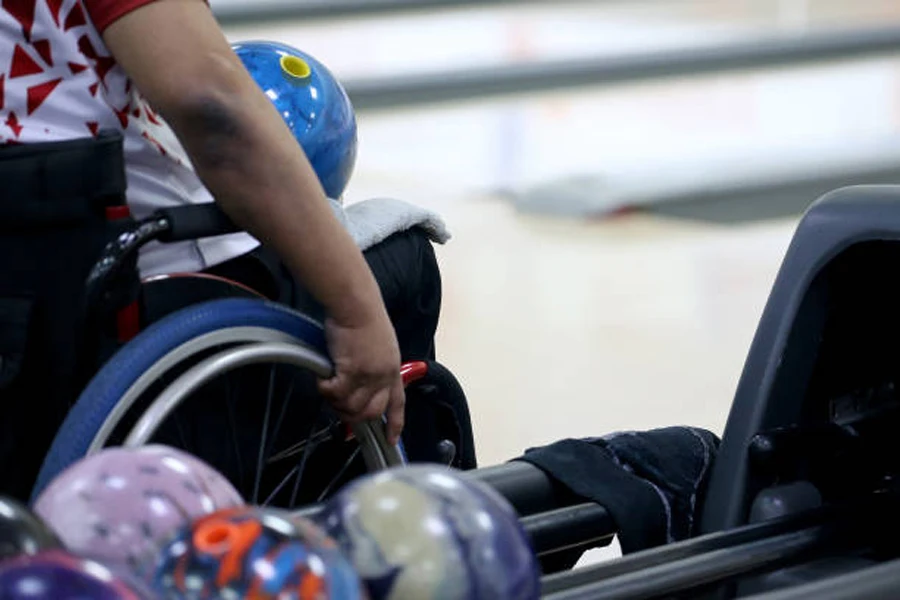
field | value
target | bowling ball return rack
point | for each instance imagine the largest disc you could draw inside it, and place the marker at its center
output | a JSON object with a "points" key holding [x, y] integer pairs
{"points": [[803, 497]]}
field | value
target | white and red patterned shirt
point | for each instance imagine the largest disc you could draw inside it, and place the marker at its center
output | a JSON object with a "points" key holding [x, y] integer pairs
{"points": [[58, 81]]}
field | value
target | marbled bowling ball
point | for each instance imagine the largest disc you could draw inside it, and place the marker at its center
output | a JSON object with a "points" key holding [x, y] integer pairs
{"points": [[23, 532], [312, 103], [121, 503], [57, 575], [426, 532], [258, 553]]}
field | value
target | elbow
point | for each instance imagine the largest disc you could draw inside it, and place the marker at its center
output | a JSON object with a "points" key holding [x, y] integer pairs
{"points": [[213, 130], [210, 113]]}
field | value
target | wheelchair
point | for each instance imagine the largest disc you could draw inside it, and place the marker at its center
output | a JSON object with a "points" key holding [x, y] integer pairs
{"points": [[93, 355]]}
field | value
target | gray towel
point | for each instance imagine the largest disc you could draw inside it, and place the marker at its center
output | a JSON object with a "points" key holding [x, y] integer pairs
{"points": [[372, 221]]}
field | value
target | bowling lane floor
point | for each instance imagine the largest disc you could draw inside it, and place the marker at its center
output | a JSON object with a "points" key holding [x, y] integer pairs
{"points": [[560, 328]]}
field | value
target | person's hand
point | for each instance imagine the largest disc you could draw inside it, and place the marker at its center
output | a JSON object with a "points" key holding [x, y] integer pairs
{"points": [[366, 384]]}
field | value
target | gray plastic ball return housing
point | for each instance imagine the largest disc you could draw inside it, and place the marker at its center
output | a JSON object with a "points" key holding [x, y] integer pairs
{"points": [[817, 408]]}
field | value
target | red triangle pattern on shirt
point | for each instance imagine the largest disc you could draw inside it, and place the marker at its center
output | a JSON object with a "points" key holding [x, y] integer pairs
{"points": [[22, 64], [93, 126], [151, 115], [38, 93], [55, 8], [43, 48], [23, 12], [75, 18], [77, 68], [123, 116], [87, 48], [2, 90], [103, 66], [12, 121], [153, 141]]}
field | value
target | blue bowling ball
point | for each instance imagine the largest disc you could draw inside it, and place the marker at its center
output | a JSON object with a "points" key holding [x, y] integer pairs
{"points": [[313, 104]]}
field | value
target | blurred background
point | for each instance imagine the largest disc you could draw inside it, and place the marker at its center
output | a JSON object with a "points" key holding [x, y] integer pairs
{"points": [[621, 179]]}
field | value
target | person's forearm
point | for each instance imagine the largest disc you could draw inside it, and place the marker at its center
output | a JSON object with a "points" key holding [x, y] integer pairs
{"points": [[257, 172]]}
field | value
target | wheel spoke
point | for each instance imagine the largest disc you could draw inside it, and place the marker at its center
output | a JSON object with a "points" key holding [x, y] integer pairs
{"points": [[323, 435], [340, 474], [184, 443], [284, 406], [302, 467], [265, 430], [229, 403], [283, 482]]}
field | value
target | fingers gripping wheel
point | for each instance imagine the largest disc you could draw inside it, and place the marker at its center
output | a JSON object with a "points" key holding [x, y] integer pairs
{"points": [[172, 359]]}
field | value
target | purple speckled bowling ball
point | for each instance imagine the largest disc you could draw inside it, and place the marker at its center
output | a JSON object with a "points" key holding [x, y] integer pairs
{"points": [[427, 532], [122, 503], [57, 575]]}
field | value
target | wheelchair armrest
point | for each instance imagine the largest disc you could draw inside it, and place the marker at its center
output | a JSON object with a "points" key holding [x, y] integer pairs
{"points": [[195, 221], [173, 224]]}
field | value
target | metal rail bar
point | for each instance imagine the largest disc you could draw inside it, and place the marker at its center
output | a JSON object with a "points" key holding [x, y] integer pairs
{"points": [[574, 527], [241, 13], [655, 557], [553, 521], [581, 526], [704, 562], [699, 571], [874, 583], [526, 487], [476, 83]]}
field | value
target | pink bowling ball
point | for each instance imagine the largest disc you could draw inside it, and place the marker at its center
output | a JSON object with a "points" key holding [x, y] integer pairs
{"points": [[121, 504]]}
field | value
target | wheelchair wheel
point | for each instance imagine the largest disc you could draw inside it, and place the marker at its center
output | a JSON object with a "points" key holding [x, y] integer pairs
{"points": [[196, 352]]}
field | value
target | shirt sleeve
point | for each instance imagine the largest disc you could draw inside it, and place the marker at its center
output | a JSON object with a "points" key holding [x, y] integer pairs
{"points": [[104, 13]]}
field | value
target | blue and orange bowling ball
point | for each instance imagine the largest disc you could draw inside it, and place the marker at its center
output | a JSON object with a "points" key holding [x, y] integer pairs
{"points": [[313, 104], [253, 552]]}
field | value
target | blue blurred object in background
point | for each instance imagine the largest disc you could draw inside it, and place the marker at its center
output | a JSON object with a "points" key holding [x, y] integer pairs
{"points": [[312, 102]]}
